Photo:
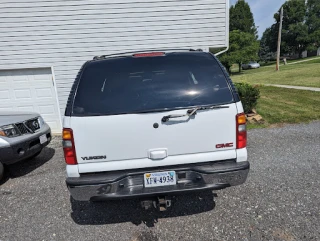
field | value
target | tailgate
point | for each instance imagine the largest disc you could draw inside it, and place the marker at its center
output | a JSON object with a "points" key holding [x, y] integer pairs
{"points": [[134, 137]]}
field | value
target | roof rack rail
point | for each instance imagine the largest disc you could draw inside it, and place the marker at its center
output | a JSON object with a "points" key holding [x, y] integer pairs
{"points": [[142, 51], [199, 50]]}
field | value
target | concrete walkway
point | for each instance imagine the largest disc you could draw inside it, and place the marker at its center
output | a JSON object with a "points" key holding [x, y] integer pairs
{"points": [[301, 61], [296, 87], [296, 62]]}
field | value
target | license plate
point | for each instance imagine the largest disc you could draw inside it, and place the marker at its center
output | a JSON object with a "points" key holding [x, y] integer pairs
{"points": [[43, 139], [158, 179]]}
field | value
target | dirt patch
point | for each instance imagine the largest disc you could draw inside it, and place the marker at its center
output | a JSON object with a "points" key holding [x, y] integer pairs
{"points": [[283, 235], [278, 125]]}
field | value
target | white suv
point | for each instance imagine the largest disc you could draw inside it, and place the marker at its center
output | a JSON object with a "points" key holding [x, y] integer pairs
{"points": [[153, 124]]}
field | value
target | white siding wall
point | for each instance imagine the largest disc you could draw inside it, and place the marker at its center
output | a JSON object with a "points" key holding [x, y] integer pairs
{"points": [[66, 33]]}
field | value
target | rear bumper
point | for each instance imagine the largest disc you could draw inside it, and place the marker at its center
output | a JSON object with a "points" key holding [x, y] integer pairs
{"points": [[129, 183]]}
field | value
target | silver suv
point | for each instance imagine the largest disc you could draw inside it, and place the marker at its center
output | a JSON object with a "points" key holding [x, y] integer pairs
{"points": [[22, 135]]}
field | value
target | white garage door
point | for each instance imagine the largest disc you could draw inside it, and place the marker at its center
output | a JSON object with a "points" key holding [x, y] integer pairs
{"points": [[30, 90]]}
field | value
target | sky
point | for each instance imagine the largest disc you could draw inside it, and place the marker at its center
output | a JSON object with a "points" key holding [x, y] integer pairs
{"points": [[263, 11]]}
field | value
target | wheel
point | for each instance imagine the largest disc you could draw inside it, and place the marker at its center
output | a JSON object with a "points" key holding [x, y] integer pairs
{"points": [[1, 171]]}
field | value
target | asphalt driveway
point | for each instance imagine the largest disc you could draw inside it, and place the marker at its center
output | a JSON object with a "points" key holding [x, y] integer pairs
{"points": [[280, 201]]}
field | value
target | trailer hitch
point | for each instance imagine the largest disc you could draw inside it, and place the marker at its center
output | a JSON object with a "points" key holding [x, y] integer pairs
{"points": [[161, 203]]}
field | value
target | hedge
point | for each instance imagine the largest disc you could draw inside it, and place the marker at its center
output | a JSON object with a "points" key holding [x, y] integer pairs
{"points": [[249, 96]]}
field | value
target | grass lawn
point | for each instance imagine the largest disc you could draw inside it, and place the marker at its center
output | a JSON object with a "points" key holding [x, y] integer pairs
{"points": [[279, 105], [300, 74]]}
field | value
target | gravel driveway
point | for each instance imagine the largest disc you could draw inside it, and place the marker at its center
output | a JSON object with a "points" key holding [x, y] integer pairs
{"points": [[280, 201]]}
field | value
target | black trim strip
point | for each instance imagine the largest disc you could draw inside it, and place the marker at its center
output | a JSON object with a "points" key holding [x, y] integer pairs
{"points": [[70, 101]]}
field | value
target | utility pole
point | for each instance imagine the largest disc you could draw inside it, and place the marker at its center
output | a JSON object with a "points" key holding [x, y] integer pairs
{"points": [[279, 40]]}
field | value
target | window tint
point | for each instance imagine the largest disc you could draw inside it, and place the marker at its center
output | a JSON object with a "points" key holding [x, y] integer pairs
{"points": [[131, 85]]}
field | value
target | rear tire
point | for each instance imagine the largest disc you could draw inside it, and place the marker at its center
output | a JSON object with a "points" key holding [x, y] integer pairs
{"points": [[1, 171]]}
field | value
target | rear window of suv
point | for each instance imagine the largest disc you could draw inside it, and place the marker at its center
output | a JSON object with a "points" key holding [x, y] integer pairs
{"points": [[125, 85]]}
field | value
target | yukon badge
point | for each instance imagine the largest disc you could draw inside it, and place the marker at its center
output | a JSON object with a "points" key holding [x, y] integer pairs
{"points": [[87, 158]]}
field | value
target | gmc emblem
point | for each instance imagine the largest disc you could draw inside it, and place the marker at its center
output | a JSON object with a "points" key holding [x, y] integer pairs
{"points": [[225, 145]]}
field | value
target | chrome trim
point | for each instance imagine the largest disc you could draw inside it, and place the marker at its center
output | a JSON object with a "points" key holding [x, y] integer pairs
{"points": [[21, 134], [30, 131]]}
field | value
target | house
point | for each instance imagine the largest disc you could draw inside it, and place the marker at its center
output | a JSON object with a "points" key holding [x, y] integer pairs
{"points": [[44, 43], [314, 53]]}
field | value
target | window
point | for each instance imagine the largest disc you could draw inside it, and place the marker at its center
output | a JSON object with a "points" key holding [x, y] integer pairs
{"points": [[132, 85]]}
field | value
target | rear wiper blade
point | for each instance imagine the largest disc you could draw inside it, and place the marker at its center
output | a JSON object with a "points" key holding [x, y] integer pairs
{"points": [[193, 111]]}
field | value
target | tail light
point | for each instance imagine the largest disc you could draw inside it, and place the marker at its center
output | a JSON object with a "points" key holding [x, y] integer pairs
{"points": [[68, 147], [241, 131]]}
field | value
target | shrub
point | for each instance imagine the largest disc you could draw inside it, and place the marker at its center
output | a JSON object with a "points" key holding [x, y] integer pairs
{"points": [[249, 96]]}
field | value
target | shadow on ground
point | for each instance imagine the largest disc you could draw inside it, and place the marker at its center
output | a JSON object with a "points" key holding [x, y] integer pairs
{"points": [[109, 212], [24, 167]]}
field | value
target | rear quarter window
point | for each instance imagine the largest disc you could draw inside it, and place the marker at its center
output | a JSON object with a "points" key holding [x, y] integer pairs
{"points": [[126, 85]]}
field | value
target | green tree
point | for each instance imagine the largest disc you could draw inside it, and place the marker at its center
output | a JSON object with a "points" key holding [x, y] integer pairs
{"points": [[243, 44], [294, 11], [296, 38], [243, 47], [271, 37], [241, 18], [313, 23], [301, 28], [266, 50], [294, 30]]}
